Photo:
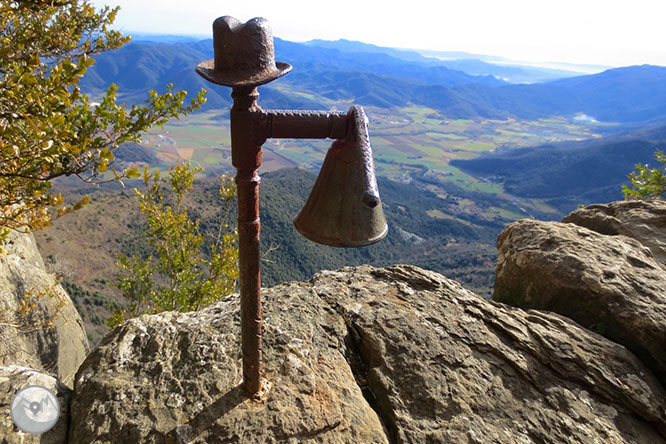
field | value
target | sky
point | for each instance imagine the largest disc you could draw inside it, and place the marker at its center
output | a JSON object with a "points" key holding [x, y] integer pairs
{"points": [[600, 32]]}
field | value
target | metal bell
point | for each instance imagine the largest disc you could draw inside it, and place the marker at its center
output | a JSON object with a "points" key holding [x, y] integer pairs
{"points": [[344, 208]]}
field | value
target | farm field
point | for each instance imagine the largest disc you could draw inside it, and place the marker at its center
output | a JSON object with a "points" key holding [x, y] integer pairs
{"points": [[412, 145], [407, 142], [401, 138]]}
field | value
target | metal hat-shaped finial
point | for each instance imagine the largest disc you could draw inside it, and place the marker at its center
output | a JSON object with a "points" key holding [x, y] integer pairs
{"points": [[244, 54]]}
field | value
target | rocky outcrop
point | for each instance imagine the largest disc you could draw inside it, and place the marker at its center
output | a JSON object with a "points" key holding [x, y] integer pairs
{"points": [[365, 355], [643, 220], [15, 377], [612, 284], [26, 338], [176, 378]]}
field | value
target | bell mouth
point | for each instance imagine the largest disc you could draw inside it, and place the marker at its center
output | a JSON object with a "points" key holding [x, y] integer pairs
{"points": [[336, 241], [207, 70]]}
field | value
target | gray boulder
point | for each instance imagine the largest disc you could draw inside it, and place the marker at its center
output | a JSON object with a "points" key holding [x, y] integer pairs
{"points": [[365, 355], [176, 377], [12, 379], [27, 339], [644, 221], [612, 284]]}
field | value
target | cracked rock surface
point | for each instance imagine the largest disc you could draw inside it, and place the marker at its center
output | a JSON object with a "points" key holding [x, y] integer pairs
{"points": [[643, 220], [174, 377], [23, 339], [446, 366], [367, 355], [610, 283]]}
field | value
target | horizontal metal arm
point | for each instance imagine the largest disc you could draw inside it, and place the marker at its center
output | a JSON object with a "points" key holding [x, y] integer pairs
{"points": [[306, 124]]}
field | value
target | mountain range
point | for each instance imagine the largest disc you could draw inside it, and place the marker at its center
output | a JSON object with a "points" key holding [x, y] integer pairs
{"points": [[431, 225], [474, 64], [372, 76]]}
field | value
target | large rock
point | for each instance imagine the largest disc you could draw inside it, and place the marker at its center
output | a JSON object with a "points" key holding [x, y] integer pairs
{"points": [[27, 339], [610, 283], [176, 378], [12, 379], [435, 362], [644, 221]]}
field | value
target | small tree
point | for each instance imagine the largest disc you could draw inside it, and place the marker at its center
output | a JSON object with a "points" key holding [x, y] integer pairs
{"points": [[184, 276], [48, 127], [648, 183]]}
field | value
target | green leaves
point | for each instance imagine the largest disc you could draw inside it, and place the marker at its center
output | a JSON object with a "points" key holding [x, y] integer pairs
{"points": [[648, 183], [181, 275], [48, 128]]}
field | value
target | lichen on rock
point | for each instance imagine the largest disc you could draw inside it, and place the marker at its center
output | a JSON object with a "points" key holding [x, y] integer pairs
{"points": [[367, 355], [609, 280], [28, 339]]}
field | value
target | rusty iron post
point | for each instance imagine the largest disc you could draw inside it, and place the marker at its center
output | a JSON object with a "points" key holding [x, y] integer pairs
{"points": [[250, 127], [246, 158], [244, 60]]}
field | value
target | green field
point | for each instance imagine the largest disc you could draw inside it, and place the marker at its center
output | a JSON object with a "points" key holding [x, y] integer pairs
{"points": [[406, 142], [410, 136]]}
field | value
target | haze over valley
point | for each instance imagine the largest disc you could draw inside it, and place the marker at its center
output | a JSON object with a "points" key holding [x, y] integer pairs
{"points": [[462, 146], [492, 175]]}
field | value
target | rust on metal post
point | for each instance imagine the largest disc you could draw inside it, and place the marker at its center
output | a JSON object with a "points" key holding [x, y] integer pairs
{"points": [[244, 59], [250, 127], [306, 125], [246, 157]]}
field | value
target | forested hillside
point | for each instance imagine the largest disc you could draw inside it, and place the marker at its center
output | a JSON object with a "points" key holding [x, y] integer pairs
{"points": [[433, 129], [424, 230], [570, 173], [323, 74]]}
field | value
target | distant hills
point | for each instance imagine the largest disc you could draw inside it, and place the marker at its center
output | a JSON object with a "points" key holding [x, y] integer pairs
{"points": [[630, 94], [327, 74], [374, 76], [331, 74], [431, 224], [473, 64], [570, 173]]}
